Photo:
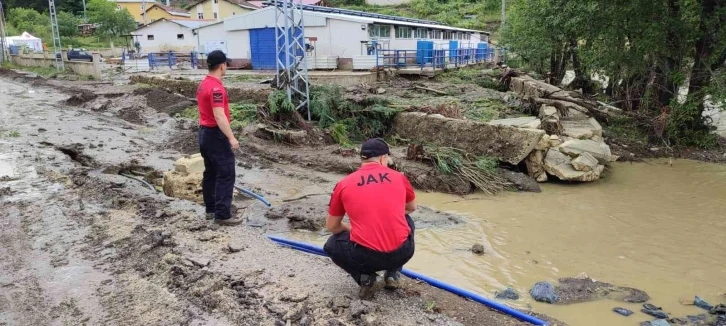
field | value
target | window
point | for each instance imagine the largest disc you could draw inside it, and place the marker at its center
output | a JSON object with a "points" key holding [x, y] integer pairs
{"points": [[215, 15], [436, 35], [200, 15], [420, 33], [467, 36], [179, 36], [404, 32], [379, 31], [447, 35], [150, 37]]}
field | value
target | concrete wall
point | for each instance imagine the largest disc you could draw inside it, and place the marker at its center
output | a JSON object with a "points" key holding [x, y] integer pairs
{"points": [[110, 52], [46, 59], [165, 37]]}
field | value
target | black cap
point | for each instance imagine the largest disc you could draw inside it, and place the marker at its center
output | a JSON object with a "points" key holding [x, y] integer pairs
{"points": [[373, 148], [216, 57]]}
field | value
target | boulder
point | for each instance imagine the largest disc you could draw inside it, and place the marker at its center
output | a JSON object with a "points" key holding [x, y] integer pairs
{"points": [[703, 304], [185, 181], [546, 111], [543, 292], [585, 162], [581, 129], [555, 141], [623, 311], [560, 166], [521, 122], [530, 87], [504, 143], [543, 143], [520, 180], [575, 147], [535, 165]]}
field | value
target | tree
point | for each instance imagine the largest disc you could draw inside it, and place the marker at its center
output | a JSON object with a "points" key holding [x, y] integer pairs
{"points": [[68, 24], [649, 49], [110, 20], [37, 5], [29, 20]]}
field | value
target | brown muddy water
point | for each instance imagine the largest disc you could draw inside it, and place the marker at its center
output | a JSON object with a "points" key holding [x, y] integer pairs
{"points": [[653, 226]]}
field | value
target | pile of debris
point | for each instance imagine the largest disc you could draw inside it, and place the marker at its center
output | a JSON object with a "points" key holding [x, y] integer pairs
{"points": [[572, 149]]}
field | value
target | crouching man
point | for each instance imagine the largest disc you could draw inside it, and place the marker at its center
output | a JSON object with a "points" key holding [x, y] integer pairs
{"points": [[377, 200]]}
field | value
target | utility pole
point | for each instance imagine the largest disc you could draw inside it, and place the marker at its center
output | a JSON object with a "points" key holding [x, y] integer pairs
{"points": [[85, 18], [4, 53], [292, 71], [504, 15], [56, 36], [143, 12]]}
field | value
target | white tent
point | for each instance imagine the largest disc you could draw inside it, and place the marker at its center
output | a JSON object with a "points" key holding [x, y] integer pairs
{"points": [[33, 43]]}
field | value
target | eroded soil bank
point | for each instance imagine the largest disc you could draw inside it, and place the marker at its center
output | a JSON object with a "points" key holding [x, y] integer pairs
{"points": [[83, 244]]}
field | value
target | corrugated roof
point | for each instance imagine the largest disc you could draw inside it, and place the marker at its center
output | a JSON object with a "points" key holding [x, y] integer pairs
{"points": [[171, 10], [370, 18], [241, 3], [190, 23], [262, 4]]}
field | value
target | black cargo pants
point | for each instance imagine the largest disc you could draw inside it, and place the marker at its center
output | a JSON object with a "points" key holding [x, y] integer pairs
{"points": [[219, 174], [357, 260]]}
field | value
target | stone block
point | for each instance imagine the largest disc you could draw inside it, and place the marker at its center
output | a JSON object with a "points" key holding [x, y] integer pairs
{"points": [[189, 165], [585, 162], [575, 147], [560, 166]]}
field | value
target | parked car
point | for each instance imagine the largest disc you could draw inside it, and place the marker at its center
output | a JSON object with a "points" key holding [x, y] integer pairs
{"points": [[77, 55]]}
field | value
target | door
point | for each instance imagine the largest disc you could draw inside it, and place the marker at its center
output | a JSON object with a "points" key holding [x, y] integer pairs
{"points": [[263, 50]]}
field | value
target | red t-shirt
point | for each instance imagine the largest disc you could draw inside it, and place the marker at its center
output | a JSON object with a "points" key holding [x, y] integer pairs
{"points": [[375, 199], [211, 94]]}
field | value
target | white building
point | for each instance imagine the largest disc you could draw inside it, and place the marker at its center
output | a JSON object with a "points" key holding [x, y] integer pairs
{"points": [[336, 33], [165, 35]]}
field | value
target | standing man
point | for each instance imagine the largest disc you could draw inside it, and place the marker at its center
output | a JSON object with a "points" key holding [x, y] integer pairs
{"points": [[216, 142], [377, 200]]}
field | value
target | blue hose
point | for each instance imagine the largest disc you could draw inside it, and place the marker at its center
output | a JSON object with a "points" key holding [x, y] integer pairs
{"points": [[431, 281], [253, 195]]}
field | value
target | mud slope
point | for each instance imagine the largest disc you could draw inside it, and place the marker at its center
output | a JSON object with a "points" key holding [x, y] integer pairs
{"points": [[81, 244]]}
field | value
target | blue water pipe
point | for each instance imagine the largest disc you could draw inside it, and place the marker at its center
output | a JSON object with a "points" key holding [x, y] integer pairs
{"points": [[431, 281], [253, 195]]}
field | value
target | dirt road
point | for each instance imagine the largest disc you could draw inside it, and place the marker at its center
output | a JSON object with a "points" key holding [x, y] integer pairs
{"points": [[82, 245]]}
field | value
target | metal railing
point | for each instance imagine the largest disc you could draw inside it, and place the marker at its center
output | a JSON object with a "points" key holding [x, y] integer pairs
{"points": [[434, 59]]}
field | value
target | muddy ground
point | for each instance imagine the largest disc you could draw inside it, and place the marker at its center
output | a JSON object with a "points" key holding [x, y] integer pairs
{"points": [[83, 245]]}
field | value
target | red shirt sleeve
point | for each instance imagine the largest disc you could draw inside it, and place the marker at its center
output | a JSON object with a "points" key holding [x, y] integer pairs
{"points": [[410, 194], [217, 98], [336, 202]]}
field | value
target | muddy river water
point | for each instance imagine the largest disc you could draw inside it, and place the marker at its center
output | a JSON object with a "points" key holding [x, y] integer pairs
{"points": [[658, 226]]}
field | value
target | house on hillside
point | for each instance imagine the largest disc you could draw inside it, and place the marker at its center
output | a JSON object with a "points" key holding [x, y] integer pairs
{"points": [[137, 8], [332, 34], [165, 35], [219, 9], [158, 11]]}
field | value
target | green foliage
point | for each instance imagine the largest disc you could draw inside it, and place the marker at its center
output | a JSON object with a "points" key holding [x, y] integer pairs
{"points": [[480, 171], [242, 114], [68, 24], [29, 20], [348, 121], [111, 21], [191, 112], [481, 15], [484, 110], [626, 128], [685, 127], [472, 76], [45, 72]]}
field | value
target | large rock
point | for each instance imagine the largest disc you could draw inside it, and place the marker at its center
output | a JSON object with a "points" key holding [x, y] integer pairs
{"points": [[528, 86], [535, 165], [581, 129], [560, 165], [575, 147], [543, 292], [585, 162], [504, 143], [185, 181], [521, 122]]}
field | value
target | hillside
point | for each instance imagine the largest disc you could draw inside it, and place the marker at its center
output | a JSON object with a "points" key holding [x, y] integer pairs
{"points": [[481, 15]]}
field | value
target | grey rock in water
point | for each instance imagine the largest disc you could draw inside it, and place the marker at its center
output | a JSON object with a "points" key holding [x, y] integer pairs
{"points": [[520, 180], [678, 321], [655, 313], [698, 302], [719, 309], [623, 311], [657, 322], [696, 319], [508, 294], [543, 292], [478, 249]]}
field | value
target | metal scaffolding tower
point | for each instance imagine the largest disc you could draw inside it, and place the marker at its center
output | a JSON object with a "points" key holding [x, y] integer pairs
{"points": [[292, 71], [4, 52], [56, 36]]}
